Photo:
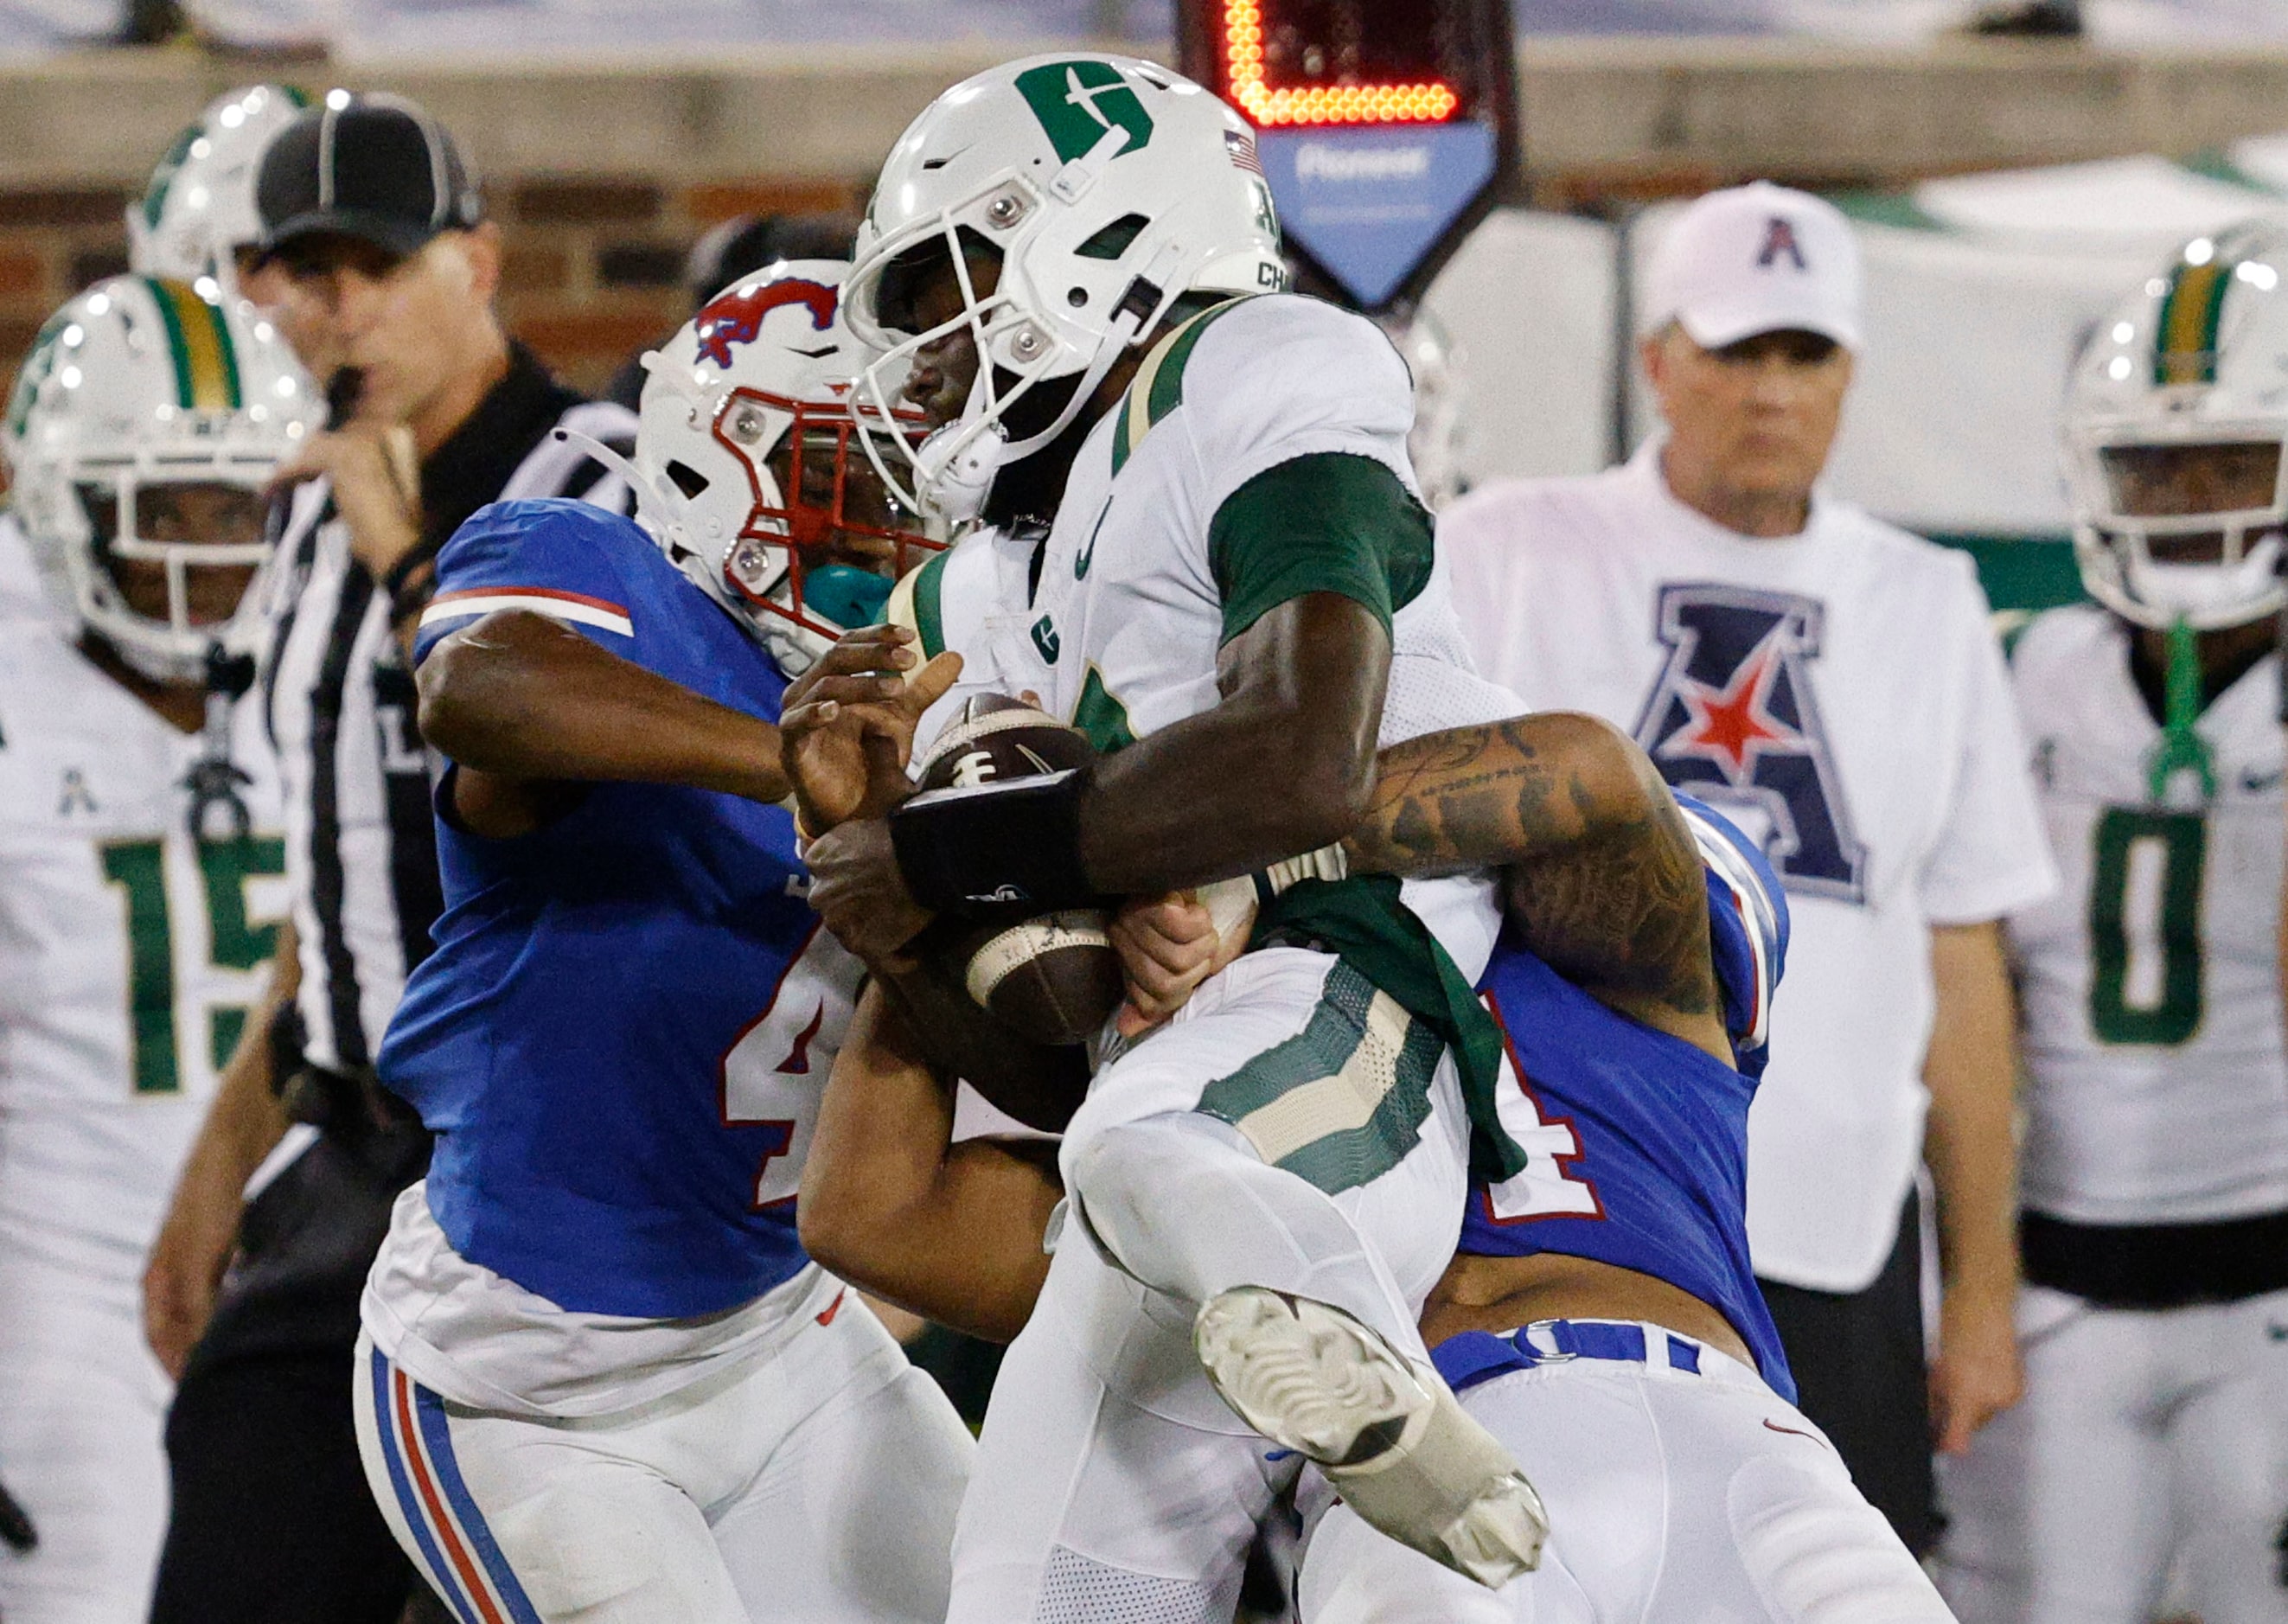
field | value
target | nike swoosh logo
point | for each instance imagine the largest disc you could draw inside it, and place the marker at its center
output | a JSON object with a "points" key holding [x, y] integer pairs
{"points": [[2256, 782], [2278, 1334], [1087, 555], [1796, 1432]]}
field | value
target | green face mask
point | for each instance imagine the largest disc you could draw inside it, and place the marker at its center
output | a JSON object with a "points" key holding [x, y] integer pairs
{"points": [[848, 596]]}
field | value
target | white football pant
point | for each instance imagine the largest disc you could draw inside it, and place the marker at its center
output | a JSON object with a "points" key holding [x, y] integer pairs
{"points": [[2141, 1436], [1674, 1497], [1111, 1483], [83, 1445], [815, 1484]]}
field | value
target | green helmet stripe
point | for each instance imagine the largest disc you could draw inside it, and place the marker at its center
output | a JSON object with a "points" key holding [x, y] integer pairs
{"points": [[176, 348], [227, 351], [198, 337], [2184, 350]]}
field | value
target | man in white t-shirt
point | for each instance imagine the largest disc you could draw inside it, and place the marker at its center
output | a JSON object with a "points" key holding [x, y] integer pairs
{"points": [[1833, 684]]}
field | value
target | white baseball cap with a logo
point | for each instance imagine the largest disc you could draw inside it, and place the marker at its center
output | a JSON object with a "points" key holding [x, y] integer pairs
{"points": [[1755, 259]]}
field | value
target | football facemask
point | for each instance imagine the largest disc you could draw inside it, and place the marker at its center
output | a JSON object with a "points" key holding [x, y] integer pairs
{"points": [[747, 467], [823, 541]]}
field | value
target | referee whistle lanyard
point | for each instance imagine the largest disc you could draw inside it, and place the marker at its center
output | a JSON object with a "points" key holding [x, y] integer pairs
{"points": [[2181, 748]]}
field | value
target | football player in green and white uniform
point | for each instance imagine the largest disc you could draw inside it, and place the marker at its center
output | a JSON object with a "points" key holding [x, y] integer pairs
{"points": [[140, 891], [2154, 1319], [1071, 265]]}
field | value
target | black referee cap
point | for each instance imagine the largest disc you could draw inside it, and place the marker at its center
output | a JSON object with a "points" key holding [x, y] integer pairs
{"points": [[376, 167]]}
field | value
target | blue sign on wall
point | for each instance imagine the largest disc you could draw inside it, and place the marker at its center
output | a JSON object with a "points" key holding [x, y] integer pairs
{"points": [[1370, 204]]}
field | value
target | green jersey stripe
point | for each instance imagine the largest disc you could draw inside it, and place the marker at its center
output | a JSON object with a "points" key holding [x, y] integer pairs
{"points": [[1159, 388]]}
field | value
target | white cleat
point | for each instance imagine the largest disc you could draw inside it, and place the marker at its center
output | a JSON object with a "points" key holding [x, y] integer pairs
{"points": [[1389, 1434]]}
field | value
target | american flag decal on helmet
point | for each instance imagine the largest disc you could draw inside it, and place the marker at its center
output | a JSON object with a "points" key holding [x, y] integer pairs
{"points": [[1239, 146]]}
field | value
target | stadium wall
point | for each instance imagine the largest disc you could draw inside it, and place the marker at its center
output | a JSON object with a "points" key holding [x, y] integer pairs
{"points": [[601, 169]]}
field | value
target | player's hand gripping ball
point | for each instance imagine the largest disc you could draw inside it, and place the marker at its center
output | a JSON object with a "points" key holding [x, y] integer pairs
{"points": [[1055, 977]]}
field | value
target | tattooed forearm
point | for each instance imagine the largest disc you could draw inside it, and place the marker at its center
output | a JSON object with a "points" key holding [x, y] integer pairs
{"points": [[1600, 876], [1623, 914], [1478, 797]]}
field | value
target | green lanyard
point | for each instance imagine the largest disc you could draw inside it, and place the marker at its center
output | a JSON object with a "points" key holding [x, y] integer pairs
{"points": [[2181, 748]]}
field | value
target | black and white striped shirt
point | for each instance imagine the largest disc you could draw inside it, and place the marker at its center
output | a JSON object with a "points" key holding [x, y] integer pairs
{"points": [[360, 849]]}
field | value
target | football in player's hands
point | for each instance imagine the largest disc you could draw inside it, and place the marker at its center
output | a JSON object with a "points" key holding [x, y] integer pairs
{"points": [[1054, 977]]}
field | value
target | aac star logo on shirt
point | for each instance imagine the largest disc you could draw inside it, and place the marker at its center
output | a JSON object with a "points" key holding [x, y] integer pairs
{"points": [[1732, 717]]}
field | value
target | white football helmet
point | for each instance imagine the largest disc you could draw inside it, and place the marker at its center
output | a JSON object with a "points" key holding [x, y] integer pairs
{"points": [[1110, 187], [766, 364], [2176, 441], [199, 206], [140, 383]]}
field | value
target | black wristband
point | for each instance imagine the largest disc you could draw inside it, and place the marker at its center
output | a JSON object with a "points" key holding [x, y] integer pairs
{"points": [[410, 589], [993, 844], [408, 562]]}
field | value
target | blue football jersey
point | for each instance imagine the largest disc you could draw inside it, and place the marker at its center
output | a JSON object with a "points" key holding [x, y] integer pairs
{"points": [[622, 1037], [1637, 1141]]}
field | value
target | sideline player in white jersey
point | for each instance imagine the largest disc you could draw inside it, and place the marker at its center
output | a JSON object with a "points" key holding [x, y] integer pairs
{"points": [[1075, 253], [140, 845], [2154, 1191], [599, 1379]]}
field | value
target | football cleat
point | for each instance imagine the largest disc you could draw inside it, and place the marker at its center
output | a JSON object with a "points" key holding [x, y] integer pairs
{"points": [[1388, 1433]]}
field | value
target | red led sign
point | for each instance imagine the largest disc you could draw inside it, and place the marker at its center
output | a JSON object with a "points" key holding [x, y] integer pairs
{"points": [[1268, 104]]}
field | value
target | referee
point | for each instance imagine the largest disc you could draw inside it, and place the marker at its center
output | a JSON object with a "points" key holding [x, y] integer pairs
{"points": [[378, 267]]}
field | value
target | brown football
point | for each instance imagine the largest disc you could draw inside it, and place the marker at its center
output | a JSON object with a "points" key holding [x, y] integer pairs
{"points": [[1054, 977]]}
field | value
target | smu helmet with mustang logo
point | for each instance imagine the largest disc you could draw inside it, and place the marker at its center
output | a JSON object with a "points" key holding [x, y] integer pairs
{"points": [[748, 468]]}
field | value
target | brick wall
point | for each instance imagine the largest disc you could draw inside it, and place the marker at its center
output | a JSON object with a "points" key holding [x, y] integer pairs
{"points": [[593, 263]]}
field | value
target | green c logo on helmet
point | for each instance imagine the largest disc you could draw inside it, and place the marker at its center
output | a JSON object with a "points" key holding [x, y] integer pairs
{"points": [[1076, 102]]}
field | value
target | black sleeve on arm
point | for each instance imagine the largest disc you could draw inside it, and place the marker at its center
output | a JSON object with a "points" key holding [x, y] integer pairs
{"points": [[1332, 521]]}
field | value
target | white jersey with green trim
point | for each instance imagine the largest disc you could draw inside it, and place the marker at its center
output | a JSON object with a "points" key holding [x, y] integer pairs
{"points": [[1166, 544], [2150, 980], [129, 953], [971, 598]]}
